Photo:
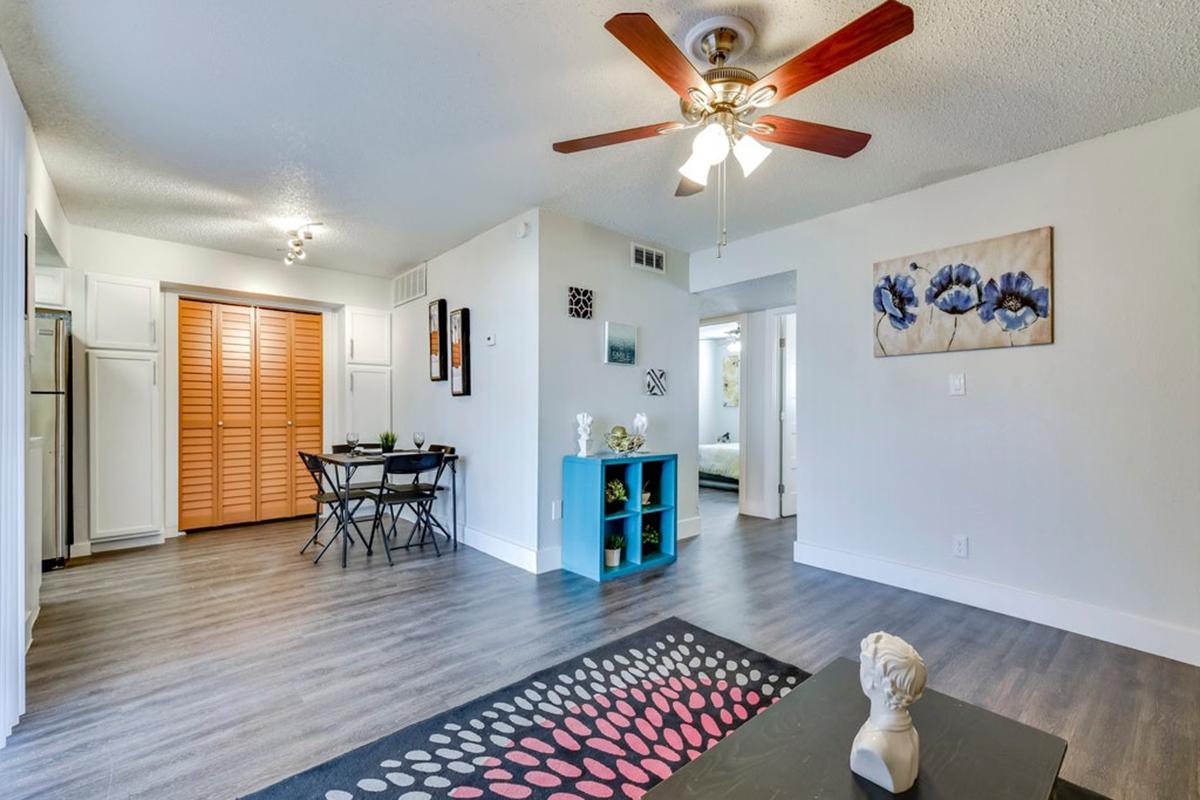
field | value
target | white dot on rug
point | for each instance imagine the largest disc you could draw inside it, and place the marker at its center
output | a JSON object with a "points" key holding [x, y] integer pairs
{"points": [[372, 785]]}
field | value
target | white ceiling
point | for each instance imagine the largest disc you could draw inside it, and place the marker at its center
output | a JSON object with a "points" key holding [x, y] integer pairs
{"points": [[409, 127]]}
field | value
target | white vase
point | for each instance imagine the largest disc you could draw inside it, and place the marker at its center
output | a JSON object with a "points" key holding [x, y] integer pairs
{"points": [[612, 558]]}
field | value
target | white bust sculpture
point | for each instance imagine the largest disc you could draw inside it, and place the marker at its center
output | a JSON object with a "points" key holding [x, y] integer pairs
{"points": [[640, 424], [585, 433], [886, 749]]}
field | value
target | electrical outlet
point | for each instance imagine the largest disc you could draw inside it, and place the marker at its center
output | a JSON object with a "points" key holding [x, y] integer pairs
{"points": [[962, 547], [556, 509], [957, 384]]}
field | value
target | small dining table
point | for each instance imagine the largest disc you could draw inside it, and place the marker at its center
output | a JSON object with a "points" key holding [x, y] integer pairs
{"points": [[346, 464]]}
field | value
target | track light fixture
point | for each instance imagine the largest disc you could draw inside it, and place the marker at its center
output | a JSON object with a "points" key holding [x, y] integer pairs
{"points": [[296, 240]]}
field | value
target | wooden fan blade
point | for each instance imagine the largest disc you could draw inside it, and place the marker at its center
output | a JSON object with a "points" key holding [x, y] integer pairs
{"points": [[688, 187], [648, 42], [872, 31], [615, 137], [813, 136]]}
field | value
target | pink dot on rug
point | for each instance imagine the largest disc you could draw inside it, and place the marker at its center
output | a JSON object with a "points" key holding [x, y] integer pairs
{"points": [[636, 744], [673, 738], [646, 729], [655, 718], [638, 694], [752, 698], [564, 768], [740, 710], [522, 758], [564, 796], [675, 683], [667, 753], [626, 709], [465, 792], [632, 792], [695, 700], [710, 725], [590, 710], [497, 775], [620, 720], [692, 735], [736, 694], [511, 790], [603, 701], [693, 754], [722, 685], [593, 789], [542, 779], [605, 746], [688, 682], [726, 717], [663, 703], [657, 767], [599, 770], [606, 728], [632, 772], [576, 727], [488, 761], [537, 745], [617, 691], [681, 711], [565, 739], [717, 699], [669, 692]]}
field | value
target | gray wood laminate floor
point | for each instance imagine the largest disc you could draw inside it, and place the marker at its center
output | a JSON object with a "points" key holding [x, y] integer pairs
{"points": [[221, 662]]}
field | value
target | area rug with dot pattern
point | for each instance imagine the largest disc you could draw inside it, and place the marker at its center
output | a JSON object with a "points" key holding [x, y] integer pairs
{"points": [[611, 723]]}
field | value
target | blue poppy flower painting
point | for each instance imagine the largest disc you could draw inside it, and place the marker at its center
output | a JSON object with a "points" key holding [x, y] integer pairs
{"points": [[991, 293], [1015, 302]]}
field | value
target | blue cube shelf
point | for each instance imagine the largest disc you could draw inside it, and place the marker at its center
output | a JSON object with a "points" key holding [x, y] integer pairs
{"points": [[586, 521]]}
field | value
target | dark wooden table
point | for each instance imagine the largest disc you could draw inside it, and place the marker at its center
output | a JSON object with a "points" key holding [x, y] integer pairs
{"points": [[800, 748], [346, 464]]}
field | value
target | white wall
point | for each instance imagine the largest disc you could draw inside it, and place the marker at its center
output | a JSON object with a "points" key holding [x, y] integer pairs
{"points": [[1074, 467], [495, 428], [574, 377], [715, 417]]}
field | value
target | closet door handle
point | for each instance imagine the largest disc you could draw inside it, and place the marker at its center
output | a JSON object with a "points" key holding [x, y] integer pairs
{"points": [[289, 423], [220, 423]]}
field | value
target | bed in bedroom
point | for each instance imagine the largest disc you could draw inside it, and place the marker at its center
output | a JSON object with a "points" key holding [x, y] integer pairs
{"points": [[720, 465]]}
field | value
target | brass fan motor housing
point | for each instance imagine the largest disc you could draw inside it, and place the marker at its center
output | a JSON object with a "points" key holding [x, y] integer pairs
{"points": [[730, 86]]}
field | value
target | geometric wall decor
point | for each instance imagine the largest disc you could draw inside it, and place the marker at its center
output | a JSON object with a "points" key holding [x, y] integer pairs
{"points": [[992, 293], [656, 382], [579, 302]]}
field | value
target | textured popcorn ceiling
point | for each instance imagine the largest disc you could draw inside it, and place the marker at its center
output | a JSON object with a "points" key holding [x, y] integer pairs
{"points": [[409, 127]]}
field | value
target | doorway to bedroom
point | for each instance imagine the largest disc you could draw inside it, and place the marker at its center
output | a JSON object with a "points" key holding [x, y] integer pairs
{"points": [[720, 406]]}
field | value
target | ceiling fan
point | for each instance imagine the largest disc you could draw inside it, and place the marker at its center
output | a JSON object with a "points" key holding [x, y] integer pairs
{"points": [[723, 101]]}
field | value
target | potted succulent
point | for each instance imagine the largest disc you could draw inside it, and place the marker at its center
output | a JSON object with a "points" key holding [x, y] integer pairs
{"points": [[615, 495], [614, 543], [651, 539], [387, 441]]}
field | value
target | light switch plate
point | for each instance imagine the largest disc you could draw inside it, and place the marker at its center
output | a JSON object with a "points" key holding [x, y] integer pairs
{"points": [[957, 384], [555, 509]]}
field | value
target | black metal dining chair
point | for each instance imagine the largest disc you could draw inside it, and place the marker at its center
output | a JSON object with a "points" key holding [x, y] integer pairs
{"points": [[436, 486], [397, 495], [327, 495]]}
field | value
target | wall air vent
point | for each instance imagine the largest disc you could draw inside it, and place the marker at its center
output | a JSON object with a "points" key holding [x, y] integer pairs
{"points": [[647, 258], [408, 286]]}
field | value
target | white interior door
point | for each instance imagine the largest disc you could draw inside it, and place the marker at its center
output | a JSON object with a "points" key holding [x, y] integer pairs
{"points": [[125, 477], [788, 446]]}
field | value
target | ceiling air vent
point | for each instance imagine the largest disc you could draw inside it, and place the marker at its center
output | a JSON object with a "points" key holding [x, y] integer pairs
{"points": [[647, 258], [408, 286]]}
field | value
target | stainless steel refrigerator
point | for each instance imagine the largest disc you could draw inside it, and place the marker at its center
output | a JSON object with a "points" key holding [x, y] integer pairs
{"points": [[50, 418]]}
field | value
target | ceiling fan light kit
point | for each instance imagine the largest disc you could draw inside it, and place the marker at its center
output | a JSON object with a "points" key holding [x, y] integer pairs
{"points": [[296, 239], [723, 101]]}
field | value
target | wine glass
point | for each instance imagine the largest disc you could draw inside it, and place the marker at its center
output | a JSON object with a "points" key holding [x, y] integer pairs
{"points": [[352, 440], [419, 439]]}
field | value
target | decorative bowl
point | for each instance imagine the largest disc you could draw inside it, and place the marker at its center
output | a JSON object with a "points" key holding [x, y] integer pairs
{"points": [[624, 443]]}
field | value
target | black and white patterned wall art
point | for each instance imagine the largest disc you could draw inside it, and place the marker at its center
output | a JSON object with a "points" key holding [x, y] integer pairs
{"points": [[579, 302], [656, 382]]}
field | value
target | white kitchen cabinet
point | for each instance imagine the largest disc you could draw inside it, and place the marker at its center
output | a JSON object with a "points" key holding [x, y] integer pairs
{"points": [[122, 313], [124, 444], [50, 287], [369, 410], [368, 336]]}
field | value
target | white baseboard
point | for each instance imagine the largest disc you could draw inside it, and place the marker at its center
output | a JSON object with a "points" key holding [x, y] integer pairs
{"points": [[1119, 627], [81, 549], [127, 543], [30, 621], [518, 555], [687, 528]]}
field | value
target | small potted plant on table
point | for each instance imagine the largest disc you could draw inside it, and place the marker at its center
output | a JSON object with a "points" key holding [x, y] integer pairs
{"points": [[387, 441], [614, 543], [615, 495]]}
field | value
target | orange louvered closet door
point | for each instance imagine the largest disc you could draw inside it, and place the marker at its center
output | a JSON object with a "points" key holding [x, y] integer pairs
{"points": [[307, 404], [250, 398], [198, 501], [274, 394], [236, 440]]}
